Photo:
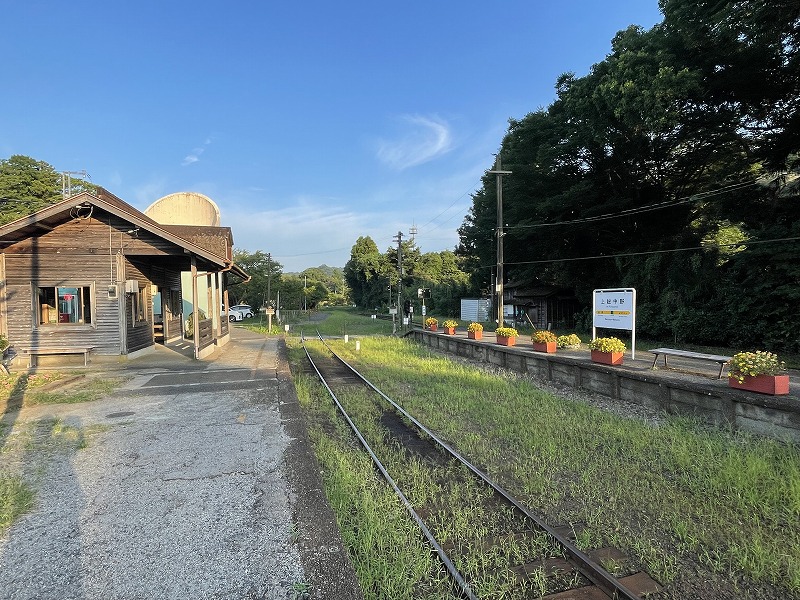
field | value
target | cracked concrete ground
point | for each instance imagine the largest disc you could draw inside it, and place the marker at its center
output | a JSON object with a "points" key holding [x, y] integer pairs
{"points": [[196, 481]]}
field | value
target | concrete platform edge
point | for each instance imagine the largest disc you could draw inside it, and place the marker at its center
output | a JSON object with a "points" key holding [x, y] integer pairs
{"points": [[322, 553]]}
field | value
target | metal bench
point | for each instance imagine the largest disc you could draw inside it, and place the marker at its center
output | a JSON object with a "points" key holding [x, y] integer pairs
{"points": [[665, 352], [38, 351]]}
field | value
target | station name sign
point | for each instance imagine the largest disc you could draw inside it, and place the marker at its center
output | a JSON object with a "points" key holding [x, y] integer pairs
{"points": [[615, 309]]}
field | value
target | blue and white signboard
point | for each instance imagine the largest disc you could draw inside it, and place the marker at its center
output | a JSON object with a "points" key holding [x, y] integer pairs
{"points": [[615, 309]]}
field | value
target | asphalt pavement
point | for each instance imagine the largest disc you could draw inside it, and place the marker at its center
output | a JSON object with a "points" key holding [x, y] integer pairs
{"points": [[196, 481]]}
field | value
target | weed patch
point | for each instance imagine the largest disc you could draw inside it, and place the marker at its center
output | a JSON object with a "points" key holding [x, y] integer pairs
{"points": [[697, 508]]}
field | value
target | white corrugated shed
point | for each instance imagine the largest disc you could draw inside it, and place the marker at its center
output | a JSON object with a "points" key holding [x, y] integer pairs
{"points": [[475, 309]]}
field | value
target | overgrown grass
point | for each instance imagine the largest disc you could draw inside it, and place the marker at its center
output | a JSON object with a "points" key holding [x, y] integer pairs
{"points": [[389, 556], [26, 446], [331, 321], [30, 389], [690, 504], [25, 451], [88, 391], [16, 498]]}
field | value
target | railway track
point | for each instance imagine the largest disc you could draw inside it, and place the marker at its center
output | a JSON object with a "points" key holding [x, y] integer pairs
{"points": [[485, 538]]}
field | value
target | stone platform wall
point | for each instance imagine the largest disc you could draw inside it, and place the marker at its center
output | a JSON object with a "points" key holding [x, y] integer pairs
{"points": [[710, 401]]}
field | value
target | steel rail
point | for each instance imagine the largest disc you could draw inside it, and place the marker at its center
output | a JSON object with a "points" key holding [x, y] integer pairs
{"points": [[448, 563], [588, 567]]}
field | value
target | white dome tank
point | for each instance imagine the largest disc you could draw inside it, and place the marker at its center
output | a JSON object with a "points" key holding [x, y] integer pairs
{"points": [[184, 208]]}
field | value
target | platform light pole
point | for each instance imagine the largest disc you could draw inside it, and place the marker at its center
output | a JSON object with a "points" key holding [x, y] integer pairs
{"points": [[499, 281]]}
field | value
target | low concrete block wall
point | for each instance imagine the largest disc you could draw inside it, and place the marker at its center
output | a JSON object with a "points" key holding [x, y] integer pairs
{"points": [[710, 401]]}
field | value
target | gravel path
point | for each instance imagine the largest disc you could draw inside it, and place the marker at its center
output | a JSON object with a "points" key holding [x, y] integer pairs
{"points": [[179, 492]]}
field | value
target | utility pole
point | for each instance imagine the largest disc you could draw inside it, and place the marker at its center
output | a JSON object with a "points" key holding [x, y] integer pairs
{"points": [[499, 172], [399, 239], [269, 278]]}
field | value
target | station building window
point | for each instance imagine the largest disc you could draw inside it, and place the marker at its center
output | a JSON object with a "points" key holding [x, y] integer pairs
{"points": [[64, 305]]}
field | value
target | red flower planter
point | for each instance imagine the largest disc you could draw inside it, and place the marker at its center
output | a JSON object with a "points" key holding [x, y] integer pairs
{"points": [[434, 328], [475, 335], [607, 358], [774, 385], [506, 341], [548, 347], [450, 330]]}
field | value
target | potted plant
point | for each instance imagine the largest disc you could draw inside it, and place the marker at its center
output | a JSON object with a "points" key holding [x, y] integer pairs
{"points": [[432, 324], [607, 350], [758, 371], [571, 341], [450, 326], [506, 336], [544, 341], [475, 331]]}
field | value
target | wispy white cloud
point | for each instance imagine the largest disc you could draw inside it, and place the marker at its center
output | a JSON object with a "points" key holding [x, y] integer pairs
{"points": [[427, 139], [194, 155], [148, 192], [327, 230]]}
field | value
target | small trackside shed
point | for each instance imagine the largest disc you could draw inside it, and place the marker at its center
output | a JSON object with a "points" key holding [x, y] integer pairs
{"points": [[81, 276]]}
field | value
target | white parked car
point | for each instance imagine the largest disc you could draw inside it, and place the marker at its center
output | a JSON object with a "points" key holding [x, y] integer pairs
{"points": [[234, 314], [245, 309]]}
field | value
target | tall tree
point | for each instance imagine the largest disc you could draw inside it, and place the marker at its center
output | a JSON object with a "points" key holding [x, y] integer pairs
{"points": [[367, 274], [26, 185], [666, 144], [265, 279]]}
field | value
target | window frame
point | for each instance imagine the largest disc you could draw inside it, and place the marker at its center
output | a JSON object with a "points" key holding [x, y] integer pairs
{"points": [[139, 312], [81, 287]]}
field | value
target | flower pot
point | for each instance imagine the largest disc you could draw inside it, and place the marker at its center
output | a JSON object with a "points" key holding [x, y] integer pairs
{"points": [[548, 347], [434, 328], [450, 330], [775, 385], [607, 358], [506, 341], [475, 335]]}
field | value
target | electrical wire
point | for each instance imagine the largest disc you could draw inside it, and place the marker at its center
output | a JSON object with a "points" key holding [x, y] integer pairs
{"points": [[445, 210], [310, 253], [646, 252], [642, 209]]}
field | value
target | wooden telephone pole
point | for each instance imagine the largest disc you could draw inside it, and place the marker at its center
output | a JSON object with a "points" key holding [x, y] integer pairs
{"points": [[499, 282]]}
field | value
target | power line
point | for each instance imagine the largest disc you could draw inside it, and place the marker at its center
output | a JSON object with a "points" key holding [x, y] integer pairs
{"points": [[647, 252], [446, 209], [642, 209], [312, 253]]}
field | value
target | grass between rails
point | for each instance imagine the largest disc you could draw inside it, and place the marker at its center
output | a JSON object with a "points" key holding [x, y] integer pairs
{"points": [[388, 553], [699, 509]]}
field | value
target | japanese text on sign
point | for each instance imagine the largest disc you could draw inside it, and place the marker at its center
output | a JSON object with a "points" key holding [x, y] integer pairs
{"points": [[614, 309]]}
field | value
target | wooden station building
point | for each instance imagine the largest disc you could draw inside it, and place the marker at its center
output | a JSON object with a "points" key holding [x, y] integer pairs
{"points": [[93, 276]]}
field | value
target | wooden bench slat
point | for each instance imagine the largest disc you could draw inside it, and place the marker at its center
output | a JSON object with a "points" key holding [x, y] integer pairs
{"points": [[717, 358], [691, 354], [41, 351]]}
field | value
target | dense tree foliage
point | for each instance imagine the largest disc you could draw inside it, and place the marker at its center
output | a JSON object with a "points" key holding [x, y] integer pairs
{"points": [[28, 185], [269, 284], [265, 279], [671, 167], [367, 274], [330, 285], [375, 277]]}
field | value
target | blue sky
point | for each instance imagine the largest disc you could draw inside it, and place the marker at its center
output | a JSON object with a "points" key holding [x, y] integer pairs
{"points": [[308, 123]]}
